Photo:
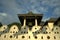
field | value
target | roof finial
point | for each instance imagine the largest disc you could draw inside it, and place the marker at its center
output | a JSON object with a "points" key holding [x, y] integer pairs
{"points": [[30, 12]]}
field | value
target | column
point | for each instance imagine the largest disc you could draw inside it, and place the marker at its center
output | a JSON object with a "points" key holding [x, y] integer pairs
{"points": [[35, 22], [24, 22]]}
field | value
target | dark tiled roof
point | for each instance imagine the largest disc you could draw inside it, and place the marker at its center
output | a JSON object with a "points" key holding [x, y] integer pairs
{"points": [[52, 19], [0, 24], [56, 22], [30, 14]]}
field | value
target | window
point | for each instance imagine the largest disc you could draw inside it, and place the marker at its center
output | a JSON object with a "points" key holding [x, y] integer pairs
{"points": [[11, 36], [56, 28], [35, 37], [45, 32], [3, 31], [23, 36], [16, 36], [32, 32], [54, 37], [46, 28], [0, 35], [4, 27], [29, 37], [13, 31], [24, 32], [5, 36], [49, 32], [41, 37], [24, 28], [48, 37], [57, 32], [35, 28], [16, 32], [35, 32], [40, 28], [38, 32], [14, 27]]}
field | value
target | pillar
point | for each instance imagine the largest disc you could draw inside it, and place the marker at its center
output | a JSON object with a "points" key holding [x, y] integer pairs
{"points": [[24, 24], [35, 22]]}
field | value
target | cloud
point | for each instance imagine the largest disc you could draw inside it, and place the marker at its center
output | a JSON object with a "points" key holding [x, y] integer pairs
{"points": [[51, 2], [3, 14], [56, 12], [11, 8]]}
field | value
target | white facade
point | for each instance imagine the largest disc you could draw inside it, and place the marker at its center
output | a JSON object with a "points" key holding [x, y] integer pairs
{"points": [[34, 34]]}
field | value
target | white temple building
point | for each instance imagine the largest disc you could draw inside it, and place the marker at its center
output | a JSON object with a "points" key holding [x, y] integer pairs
{"points": [[32, 28]]}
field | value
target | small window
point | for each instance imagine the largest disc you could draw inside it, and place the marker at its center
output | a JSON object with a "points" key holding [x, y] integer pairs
{"points": [[35, 28], [48, 37], [35, 32], [24, 32], [40, 28], [16, 32], [24, 28], [23, 36], [11, 36], [0, 35], [29, 37], [5, 36], [13, 31], [16, 36], [41, 37], [32, 32], [49, 32], [14, 27], [46, 28], [46, 32], [27, 32], [35, 37], [54, 37], [3, 31], [57, 32], [4, 27], [59, 25], [56, 28], [38, 32]]}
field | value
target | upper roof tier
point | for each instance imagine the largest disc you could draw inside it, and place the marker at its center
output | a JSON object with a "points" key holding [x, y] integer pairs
{"points": [[30, 16]]}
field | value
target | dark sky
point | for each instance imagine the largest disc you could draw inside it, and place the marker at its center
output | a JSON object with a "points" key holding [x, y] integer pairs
{"points": [[10, 8]]}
